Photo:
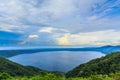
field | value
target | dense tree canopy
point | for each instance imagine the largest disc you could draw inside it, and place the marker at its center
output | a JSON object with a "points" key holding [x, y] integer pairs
{"points": [[104, 65]]}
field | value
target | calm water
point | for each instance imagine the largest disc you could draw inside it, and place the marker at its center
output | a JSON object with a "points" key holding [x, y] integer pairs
{"points": [[56, 61]]}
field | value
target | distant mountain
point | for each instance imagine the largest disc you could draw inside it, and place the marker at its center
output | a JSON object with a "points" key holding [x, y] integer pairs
{"points": [[13, 52], [105, 65], [15, 69], [108, 49]]}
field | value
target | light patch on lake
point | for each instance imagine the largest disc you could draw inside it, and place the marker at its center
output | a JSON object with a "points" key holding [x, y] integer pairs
{"points": [[56, 61]]}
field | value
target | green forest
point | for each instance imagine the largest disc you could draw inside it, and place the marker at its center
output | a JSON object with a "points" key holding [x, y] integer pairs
{"points": [[50, 76], [104, 68]]}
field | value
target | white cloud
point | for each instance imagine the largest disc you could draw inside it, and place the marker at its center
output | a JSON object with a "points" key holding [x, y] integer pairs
{"points": [[58, 8], [52, 30], [72, 22], [61, 13], [47, 29], [33, 36]]}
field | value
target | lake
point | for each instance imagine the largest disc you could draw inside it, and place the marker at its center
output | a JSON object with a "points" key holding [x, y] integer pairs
{"points": [[56, 60]]}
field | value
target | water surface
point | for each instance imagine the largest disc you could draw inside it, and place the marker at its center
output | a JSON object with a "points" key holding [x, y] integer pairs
{"points": [[56, 61]]}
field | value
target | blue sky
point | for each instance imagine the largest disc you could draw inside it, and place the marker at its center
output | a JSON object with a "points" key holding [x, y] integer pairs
{"points": [[59, 22]]}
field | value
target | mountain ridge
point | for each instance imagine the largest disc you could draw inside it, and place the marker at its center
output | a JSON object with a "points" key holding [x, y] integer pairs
{"points": [[104, 49]]}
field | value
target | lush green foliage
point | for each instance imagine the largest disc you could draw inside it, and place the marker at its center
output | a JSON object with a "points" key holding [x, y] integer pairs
{"points": [[49, 76], [104, 66], [15, 69]]}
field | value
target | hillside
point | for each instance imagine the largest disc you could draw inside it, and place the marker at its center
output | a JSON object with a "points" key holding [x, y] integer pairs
{"points": [[105, 65], [15, 69]]}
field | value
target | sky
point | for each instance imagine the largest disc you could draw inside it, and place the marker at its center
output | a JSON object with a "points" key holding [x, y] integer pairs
{"points": [[59, 22]]}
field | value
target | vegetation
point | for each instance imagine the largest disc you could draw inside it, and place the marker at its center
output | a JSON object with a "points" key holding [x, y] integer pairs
{"points": [[100, 66], [50, 76], [105, 68], [15, 69]]}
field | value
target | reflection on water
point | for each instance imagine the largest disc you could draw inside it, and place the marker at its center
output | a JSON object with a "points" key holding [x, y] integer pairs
{"points": [[56, 61]]}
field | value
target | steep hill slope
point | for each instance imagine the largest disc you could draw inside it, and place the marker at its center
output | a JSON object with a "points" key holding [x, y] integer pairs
{"points": [[104, 65], [18, 70]]}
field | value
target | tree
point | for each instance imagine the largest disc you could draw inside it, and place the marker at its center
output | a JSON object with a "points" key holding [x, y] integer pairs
{"points": [[4, 76]]}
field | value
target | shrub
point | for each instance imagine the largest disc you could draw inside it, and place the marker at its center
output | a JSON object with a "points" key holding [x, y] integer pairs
{"points": [[4, 76]]}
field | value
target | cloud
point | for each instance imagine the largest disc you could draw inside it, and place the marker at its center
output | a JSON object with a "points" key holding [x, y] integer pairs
{"points": [[59, 8], [64, 41], [33, 36], [52, 30], [46, 29], [107, 37], [22, 15], [96, 38], [65, 20]]}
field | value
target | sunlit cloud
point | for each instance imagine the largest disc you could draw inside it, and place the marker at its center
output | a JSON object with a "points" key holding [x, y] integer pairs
{"points": [[108, 37]]}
